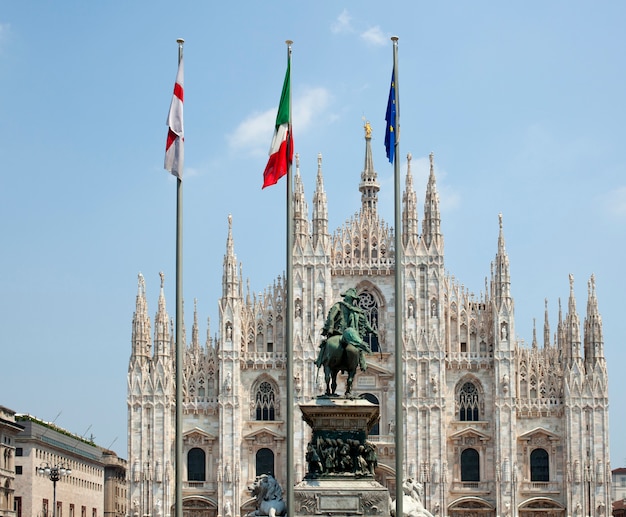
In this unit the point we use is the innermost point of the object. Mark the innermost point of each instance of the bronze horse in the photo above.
(339, 357)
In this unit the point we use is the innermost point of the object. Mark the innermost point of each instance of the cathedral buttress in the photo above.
(505, 391)
(151, 418)
(233, 309)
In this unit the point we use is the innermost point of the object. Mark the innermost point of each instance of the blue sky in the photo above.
(522, 105)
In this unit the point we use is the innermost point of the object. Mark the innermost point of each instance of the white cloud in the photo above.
(342, 23)
(254, 134)
(313, 101)
(4, 32)
(374, 36)
(616, 202)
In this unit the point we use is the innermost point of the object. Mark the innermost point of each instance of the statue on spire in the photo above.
(368, 129)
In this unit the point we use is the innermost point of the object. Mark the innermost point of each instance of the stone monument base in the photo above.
(341, 462)
(341, 496)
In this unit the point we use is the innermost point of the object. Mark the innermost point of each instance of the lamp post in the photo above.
(54, 473)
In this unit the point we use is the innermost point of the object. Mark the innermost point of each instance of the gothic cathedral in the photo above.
(492, 428)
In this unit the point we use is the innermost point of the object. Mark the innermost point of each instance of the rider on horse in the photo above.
(350, 322)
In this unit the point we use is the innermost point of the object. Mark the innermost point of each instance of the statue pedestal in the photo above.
(341, 497)
(341, 462)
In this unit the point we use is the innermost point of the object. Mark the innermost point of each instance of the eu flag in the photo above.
(390, 132)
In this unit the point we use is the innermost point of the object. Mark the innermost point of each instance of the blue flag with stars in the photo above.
(390, 132)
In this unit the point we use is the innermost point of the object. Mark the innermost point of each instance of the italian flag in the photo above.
(281, 150)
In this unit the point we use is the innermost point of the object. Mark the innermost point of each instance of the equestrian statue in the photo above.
(342, 348)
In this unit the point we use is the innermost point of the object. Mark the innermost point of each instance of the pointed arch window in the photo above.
(265, 402)
(469, 402)
(196, 465)
(369, 304)
(539, 465)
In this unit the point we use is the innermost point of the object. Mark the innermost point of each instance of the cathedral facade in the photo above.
(492, 428)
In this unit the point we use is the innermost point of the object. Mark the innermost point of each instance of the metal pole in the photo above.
(54, 497)
(178, 498)
(399, 309)
(290, 313)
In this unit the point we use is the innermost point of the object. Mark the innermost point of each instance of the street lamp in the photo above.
(54, 473)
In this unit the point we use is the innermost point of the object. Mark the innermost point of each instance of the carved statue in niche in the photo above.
(228, 382)
(320, 309)
(434, 384)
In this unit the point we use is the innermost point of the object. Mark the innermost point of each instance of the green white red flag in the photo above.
(174, 147)
(281, 150)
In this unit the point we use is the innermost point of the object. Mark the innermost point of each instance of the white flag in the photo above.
(174, 148)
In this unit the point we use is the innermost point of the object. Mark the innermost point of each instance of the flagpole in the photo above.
(290, 314)
(178, 497)
(399, 293)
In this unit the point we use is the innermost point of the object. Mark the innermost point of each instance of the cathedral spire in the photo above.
(141, 321)
(320, 208)
(207, 343)
(195, 341)
(594, 342)
(230, 280)
(161, 324)
(410, 231)
(572, 326)
(300, 208)
(431, 225)
(546, 326)
(502, 276)
(369, 186)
